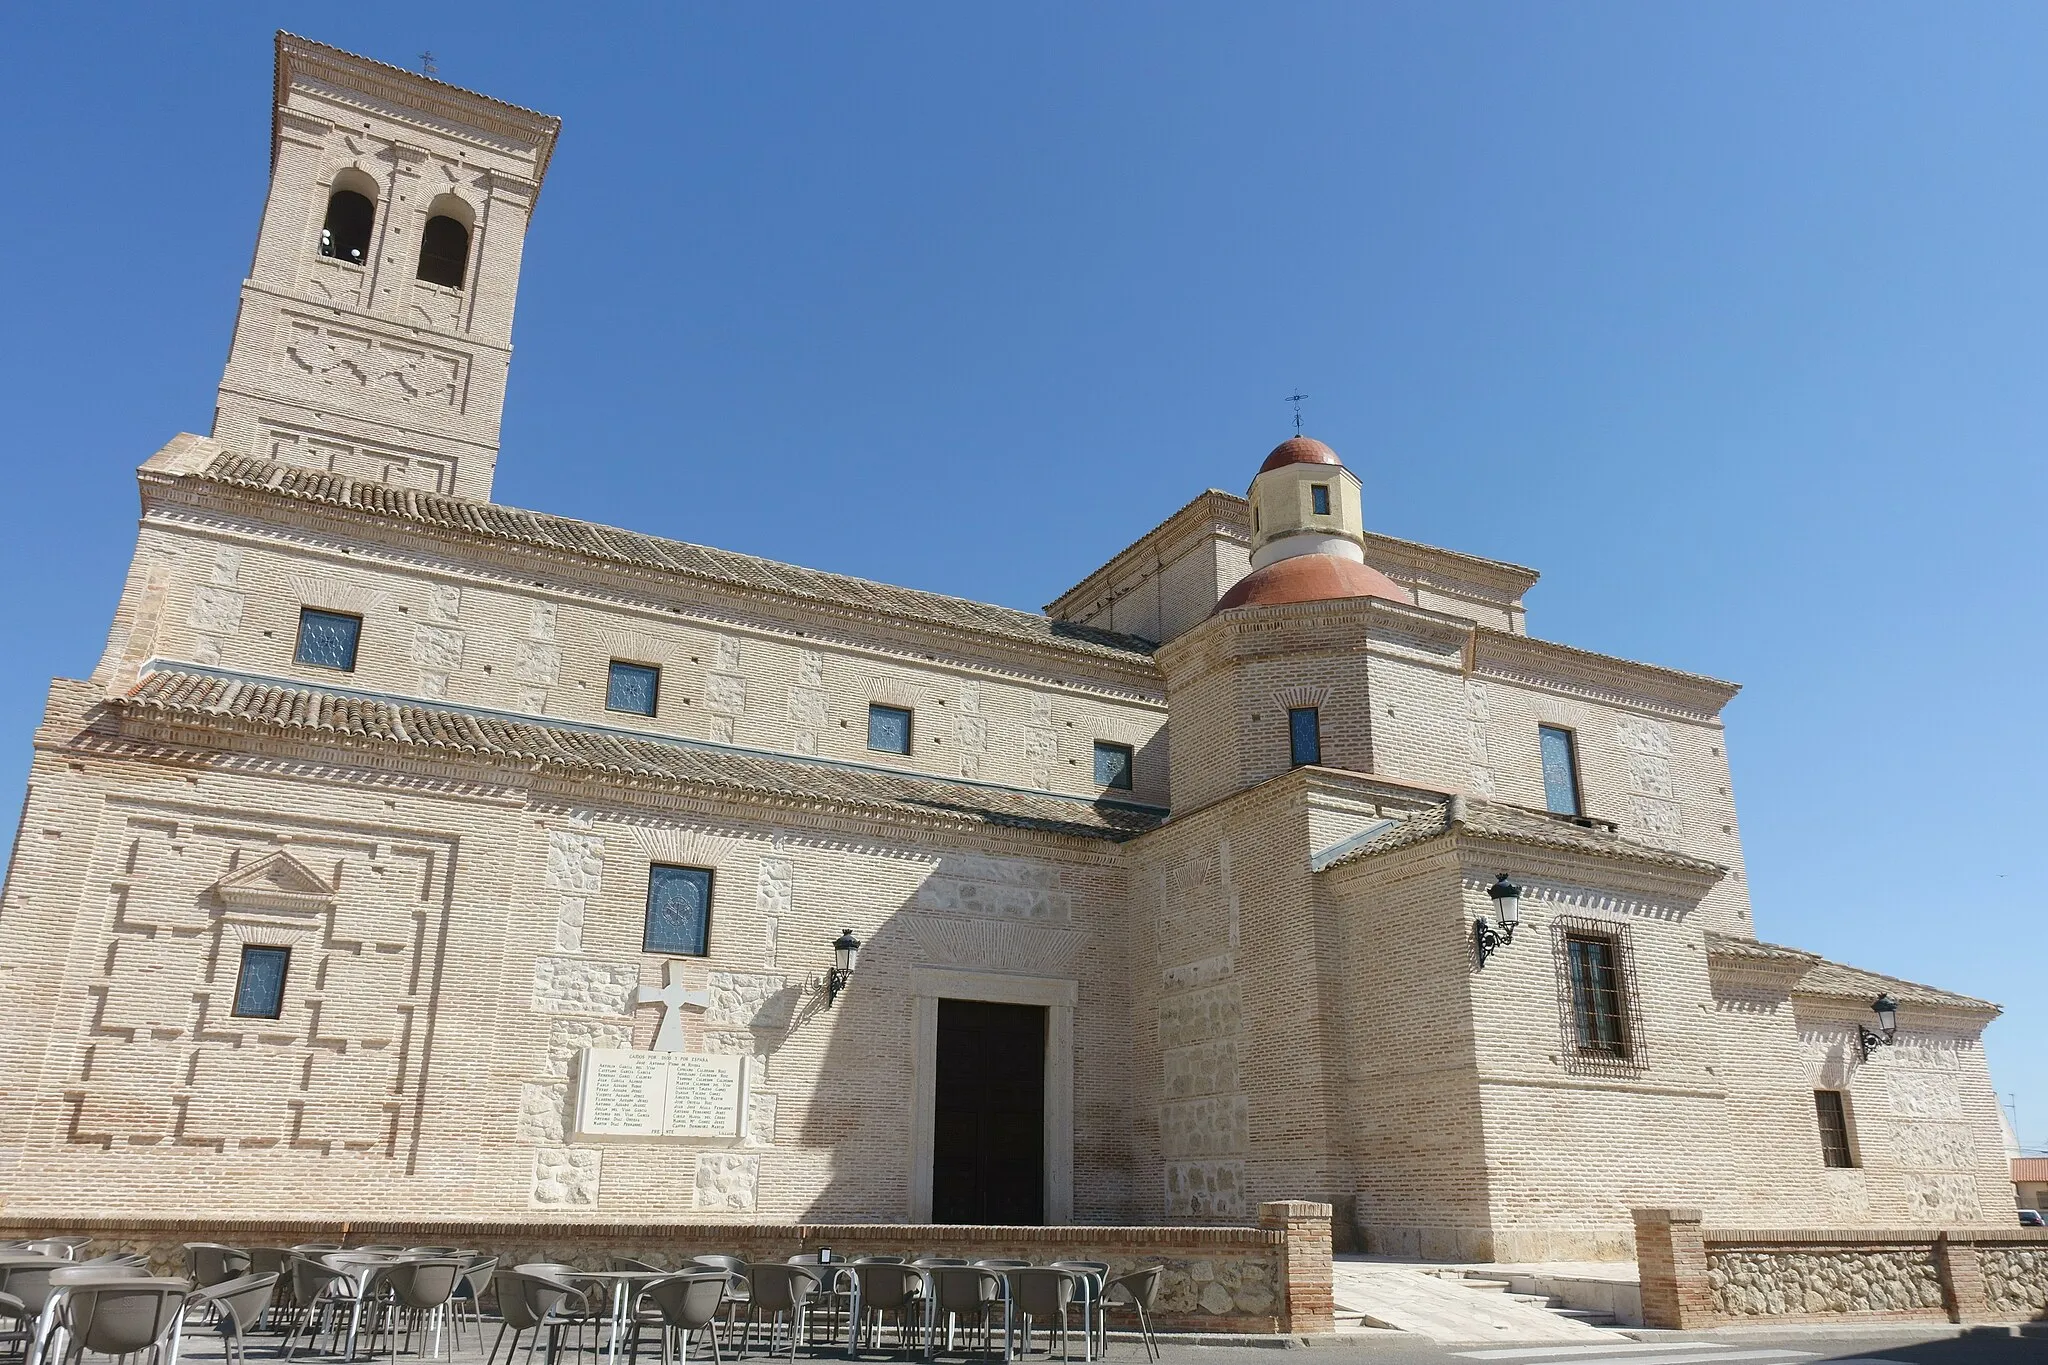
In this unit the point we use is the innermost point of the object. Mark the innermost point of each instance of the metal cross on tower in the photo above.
(427, 67)
(1296, 399)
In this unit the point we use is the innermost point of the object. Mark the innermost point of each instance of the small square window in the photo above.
(1304, 736)
(1319, 498)
(889, 729)
(678, 911)
(1560, 770)
(259, 987)
(1112, 765)
(1834, 1128)
(327, 639)
(633, 688)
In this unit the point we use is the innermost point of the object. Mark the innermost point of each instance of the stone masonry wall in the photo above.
(1693, 1278)
(1270, 1278)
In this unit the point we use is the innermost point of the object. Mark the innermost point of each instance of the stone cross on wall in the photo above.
(674, 998)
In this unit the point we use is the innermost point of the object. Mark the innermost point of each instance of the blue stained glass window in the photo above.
(1560, 770)
(678, 911)
(259, 989)
(1319, 498)
(889, 729)
(1112, 765)
(1304, 735)
(327, 639)
(632, 687)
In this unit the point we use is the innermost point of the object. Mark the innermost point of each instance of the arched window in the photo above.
(345, 235)
(444, 251)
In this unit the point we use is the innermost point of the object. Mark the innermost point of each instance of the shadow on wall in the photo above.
(957, 917)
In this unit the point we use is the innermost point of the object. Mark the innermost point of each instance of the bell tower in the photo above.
(375, 329)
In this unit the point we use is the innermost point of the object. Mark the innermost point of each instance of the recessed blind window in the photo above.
(1319, 498)
(1834, 1128)
(678, 911)
(1560, 770)
(632, 688)
(1304, 736)
(889, 729)
(259, 987)
(1596, 995)
(1112, 765)
(327, 639)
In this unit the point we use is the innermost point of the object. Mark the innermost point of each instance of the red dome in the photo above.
(1311, 578)
(1300, 450)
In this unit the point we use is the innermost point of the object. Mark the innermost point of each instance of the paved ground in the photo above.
(1747, 1346)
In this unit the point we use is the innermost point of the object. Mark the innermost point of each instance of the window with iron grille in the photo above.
(1834, 1128)
(1319, 498)
(1596, 997)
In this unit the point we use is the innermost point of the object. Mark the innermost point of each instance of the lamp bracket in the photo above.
(1872, 1040)
(1487, 940)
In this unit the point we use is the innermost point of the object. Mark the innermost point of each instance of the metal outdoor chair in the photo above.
(239, 1306)
(210, 1263)
(538, 1303)
(966, 1294)
(1094, 1283)
(1140, 1291)
(887, 1287)
(422, 1292)
(1042, 1294)
(114, 1316)
(686, 1305)
(469, 1295)
(737, 1291)
(781, 1291)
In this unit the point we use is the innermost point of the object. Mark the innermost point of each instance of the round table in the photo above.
(622, 1302)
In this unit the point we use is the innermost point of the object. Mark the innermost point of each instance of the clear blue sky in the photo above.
(1728, 318)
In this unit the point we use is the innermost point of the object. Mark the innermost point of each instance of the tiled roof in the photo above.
(2030, 1168)
(1823, 977)
(307, 712)
(494, 521)
(1499, 820)
(1840, 979)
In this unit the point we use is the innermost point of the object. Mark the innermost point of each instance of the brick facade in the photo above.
(1260, 981)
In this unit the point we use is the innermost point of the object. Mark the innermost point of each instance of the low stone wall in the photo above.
(1271, 1278)
(1696, 1277)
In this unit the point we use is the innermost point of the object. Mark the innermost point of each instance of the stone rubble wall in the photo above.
(1768, 1284)
(1693, 1277)
(2016, 1279)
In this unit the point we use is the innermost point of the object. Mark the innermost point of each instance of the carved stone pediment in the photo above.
(276, 881)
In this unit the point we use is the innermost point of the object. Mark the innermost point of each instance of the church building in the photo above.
(406, 853)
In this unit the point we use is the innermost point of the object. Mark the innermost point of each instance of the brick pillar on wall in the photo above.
(1962, 1280)
(1671, 1262)
(1305, 1263)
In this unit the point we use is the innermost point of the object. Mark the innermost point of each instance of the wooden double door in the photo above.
(988, 1137)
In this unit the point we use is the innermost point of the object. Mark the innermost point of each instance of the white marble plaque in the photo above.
(704, 1096)
(625, 1094)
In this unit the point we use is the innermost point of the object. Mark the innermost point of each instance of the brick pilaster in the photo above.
(1671, 1261)
(1962, 1280)
(1305, 1263)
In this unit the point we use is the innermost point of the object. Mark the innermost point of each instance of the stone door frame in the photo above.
(1058, 995)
